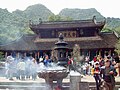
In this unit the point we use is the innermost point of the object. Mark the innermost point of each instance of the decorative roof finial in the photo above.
(61, 37)
(94, 19)
(104, 20)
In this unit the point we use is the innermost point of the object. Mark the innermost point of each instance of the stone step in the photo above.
(28, 87)
(39, 87)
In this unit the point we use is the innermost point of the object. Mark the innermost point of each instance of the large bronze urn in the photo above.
(62, 51)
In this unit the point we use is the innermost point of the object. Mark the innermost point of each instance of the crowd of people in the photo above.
(24, 67)
(88, 66)
(102, 69)
(21, 68)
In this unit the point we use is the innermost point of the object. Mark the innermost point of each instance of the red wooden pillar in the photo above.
(38, 54)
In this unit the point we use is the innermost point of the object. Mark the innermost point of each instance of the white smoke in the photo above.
(51, 67)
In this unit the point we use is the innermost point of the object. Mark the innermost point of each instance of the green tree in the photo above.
(68, 18)
(51, 18)
(117, 29)
(1, 56)
(54, 18)
(117, 47)
(76, 53)
(59, 18)
(107, 29)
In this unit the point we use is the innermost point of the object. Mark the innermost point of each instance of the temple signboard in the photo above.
(68, 34)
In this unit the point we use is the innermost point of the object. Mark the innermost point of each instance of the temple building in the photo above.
(86, 33)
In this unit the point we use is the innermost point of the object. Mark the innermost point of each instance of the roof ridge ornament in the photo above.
(104, 20)
(94, 19)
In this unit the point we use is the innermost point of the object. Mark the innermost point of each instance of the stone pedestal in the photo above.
(75, 79)
(83, 86)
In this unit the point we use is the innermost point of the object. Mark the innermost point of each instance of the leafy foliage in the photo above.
(59, 18)
(37, 11)
(107, 29)
(1, 56)
(54, 18)
(117, 29)
(113, 22)
(14, 25)
(80, 14)
(118, 47)
(76, 53)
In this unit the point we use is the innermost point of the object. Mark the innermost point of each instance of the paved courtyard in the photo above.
(66, 80)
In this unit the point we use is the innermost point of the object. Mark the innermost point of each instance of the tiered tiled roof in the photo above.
(67, 24)
(105, 40)
(26, 42)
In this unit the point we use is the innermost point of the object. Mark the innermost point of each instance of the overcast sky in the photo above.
(108, 8)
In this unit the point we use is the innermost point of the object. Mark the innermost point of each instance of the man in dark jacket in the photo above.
(108, 76)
